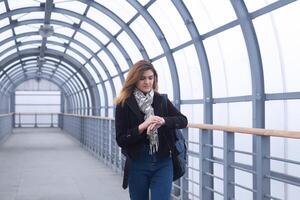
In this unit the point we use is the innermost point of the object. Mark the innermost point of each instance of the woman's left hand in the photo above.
(155, 126)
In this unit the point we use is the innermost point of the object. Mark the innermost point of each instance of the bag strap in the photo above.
(165, 106)
(165, 102)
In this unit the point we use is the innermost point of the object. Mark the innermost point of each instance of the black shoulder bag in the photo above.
(179, 150)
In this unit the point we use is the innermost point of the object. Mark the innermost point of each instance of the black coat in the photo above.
(129, 117)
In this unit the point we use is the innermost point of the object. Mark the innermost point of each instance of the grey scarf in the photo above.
(144, 103)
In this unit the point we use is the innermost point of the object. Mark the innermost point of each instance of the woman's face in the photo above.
(145, 84)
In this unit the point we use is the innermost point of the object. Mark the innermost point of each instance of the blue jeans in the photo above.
(150, 173)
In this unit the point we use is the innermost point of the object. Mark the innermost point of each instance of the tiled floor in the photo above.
(45, 164)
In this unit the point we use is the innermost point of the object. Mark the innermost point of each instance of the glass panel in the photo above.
(82, 80)
(2, 8)
(209, 15)
(93, 73)
(68, 66)
(63, 30)
(189, 73)
(75, 56)
(269, 44)
(130, 47)
(87, 41)
(29, 16)
(232, 115)
(57, 39)
(6, 34)
(96, 32)
(143, 2)
(6, 45)
(253, 5)
(99, 68)
(117, 84)
(144, 32)
(29, 38)
(15, 4)
(276, 118)
(74, 6)
(4, 22)
(102, 99)
(108, 63)
(194, 113)
(29, 46)
(27, 28)
(119, 57)
(288, 40)
(8, 54)
(109, 93)
(230, 74)
(164, 77)
(80, 49)
(104, 20)
(65, 18)
(293, 115)
(55, 47)
(170, 22)
(120, 7)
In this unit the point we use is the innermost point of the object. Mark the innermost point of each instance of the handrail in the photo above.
(233, 129)
(88, 116)
(252, 131)
(5, 115)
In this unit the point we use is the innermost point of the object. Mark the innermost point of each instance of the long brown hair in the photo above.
(134, 75)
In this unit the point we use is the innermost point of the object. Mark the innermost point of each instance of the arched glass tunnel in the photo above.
(224, 62)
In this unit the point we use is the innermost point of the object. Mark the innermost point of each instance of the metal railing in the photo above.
(215, 169)
(6, 121)
(36, 120)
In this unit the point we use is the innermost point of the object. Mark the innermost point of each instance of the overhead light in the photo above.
(46, 30)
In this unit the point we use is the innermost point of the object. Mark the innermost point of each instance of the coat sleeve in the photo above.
(174, 119)
(125, 136)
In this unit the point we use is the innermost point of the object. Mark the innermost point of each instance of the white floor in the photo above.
(45, 164)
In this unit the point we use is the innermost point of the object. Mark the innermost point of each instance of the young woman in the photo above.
(144, 131)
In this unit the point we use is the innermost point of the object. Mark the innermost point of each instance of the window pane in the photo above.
(120, 7)
(81, 49)
(209, 15)
(108, 63)
(164, 77)
(2, 8)
(230, 73)
(28, 16)
(75, 56)
(144, 32)
(130, 47)
(74, 6)
(87, 41)
(63, 17)
(170, 22)
(93, 73)
(99, 68)
(96, 32)
(253, 5)
(15, 4)
(117, 84)
(4, 22)
(119, 57)
(63, 30)
(104, 20)
(189, 73)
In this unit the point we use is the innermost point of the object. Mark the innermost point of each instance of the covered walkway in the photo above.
(46, 164)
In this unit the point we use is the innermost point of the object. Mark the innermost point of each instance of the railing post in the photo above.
(228, 155)
(184, 180)
(19, 120)
(35, 120)
(206, 167)
(262, 167)
(51, 119)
